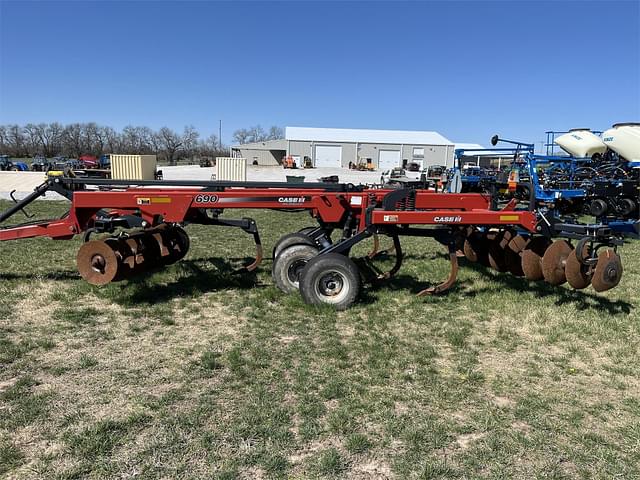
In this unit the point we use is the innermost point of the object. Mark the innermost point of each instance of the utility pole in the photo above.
(220, 134)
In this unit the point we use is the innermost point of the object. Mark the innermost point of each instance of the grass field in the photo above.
(200, 371)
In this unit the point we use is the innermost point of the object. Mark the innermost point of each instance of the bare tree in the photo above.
(242, 136)
(257, 134)
(80, 138)
(190, 140)
(90, 142)
(170, 143)
(4, 139)
(50, 138)
(15, 141)
(72, 139)
(32, 139)
(275, 133)
(113, 140)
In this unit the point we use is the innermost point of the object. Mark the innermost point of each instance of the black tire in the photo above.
(289, 264)
(291, 239)
(330, 279)
(627, 207)
(307, 230)
(598, 207)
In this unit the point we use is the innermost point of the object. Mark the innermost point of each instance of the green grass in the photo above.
(204, 371)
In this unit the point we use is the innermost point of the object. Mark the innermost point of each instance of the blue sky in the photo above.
(464, 69)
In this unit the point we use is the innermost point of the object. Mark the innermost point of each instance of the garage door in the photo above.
(328, 156)
(388, 159)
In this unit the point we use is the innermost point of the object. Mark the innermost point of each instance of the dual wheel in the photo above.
(330, 279)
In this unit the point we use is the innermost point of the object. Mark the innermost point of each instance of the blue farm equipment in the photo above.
(7, 165)
(473, 178)
(605, 165)
(40, 163)
(564, 186)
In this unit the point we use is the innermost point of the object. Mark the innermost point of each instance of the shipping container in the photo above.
(231, 168)
(133, 167)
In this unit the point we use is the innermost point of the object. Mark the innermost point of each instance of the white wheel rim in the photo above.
(332, 286)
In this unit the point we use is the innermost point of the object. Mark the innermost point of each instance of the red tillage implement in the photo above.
(143, 223)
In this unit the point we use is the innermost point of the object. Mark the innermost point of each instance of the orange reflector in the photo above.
(509, 218)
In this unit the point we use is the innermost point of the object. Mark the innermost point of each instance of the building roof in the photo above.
(469, 146)
(280, 144)
(480, 151)
(395, 137)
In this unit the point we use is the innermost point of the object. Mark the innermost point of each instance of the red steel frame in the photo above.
(177, 205)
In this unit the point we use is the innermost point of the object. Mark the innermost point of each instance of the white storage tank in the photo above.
(624, 139)
(581, 143)
(231, 168)
(133, 167)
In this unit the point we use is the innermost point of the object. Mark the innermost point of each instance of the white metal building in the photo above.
(269, 152)
(338, 147)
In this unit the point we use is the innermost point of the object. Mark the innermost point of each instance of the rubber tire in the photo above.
(285, 260)
(291, 239)
(598, 207)
(627, 207)
(307, 230)
(321, 265)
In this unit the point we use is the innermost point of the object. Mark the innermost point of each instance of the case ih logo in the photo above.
(455, 219)
(295, 200)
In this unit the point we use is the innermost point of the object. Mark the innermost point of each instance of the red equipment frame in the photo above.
(157, 208)
(178, 205)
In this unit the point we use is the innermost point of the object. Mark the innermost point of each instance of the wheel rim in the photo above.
(294, 270)
(332, 286)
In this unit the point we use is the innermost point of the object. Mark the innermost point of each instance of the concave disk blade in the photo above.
(475, 248)
(553, 262)
(517, 243)
(497, 259)
(578, 275)
(532, 258)
(608, 271)
(513, 262)
(97, 262)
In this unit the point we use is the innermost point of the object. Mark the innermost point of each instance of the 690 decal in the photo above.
(203, 198)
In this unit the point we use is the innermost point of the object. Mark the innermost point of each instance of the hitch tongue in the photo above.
(15, 200)
(20, 204)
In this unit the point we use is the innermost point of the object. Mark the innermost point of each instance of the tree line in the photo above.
(76, 139)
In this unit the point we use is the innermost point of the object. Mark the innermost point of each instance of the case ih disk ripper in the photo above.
(141, 222)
